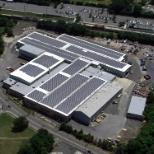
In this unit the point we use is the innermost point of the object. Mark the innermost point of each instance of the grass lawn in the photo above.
(106, 2)
(33, 15)
(9, 141)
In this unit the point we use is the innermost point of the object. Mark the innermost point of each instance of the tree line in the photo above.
(81, 30)
(6, 26)
(130, 8)
(104, 144)
(141, 38)
(73, 29)
(37, 2)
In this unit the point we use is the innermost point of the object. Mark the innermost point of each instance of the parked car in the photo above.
(22, 63)
(10, 69)
(147, 77)
(144, 68)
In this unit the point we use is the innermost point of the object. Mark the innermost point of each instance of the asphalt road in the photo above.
(84, 12)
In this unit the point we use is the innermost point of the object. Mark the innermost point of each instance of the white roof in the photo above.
(9, 81)
(101, 97)
(26, 89)
(22, 76)
(91, 71)
(137, 105)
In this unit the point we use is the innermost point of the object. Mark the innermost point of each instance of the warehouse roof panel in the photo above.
(46, 39)
(31, 49)
(100, 58)
(49, 48)
(91, 46)
(101, 97)
(76, 66)
(79, 96)
(54, 98)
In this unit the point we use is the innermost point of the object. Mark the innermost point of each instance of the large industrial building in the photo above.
(71, 48)
(66, 77)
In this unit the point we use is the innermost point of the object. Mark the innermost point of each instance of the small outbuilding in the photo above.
(136, 108)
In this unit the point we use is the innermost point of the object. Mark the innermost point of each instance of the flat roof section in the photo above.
(96, 72)
(91, 46)
(9, 81)
(31, 70)
(31, 49)
(75, 67)
(54, 82)
(100, 99)
(79, 96)
(46, 61)
(137, 105)
(36, 95)
(28, 73)
(46, 39)
(58, 95)
(51, 49)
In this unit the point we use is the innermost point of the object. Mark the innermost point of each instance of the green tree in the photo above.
(62, 126)
(60, 26)
(137, 10)
(74, 132)
(99, 142)
(150, 99)
(41, 143)
(56, 3)
(90, 15)
(80, 134)
(143, 2)
(1, 46)
(106, 145)
(9, 32)
(152, 2)
(25, 148)
(20, 124)
(61, 5)
(120, 148)
(93, 18)
(78, 18)
(119, 6)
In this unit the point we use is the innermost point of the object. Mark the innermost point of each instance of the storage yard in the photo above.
(67, 76)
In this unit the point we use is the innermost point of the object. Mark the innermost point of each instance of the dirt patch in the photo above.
(125, 83)
(132, 130)
(18, 29)
(7, 39)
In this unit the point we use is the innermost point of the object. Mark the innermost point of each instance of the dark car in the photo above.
(147, 77)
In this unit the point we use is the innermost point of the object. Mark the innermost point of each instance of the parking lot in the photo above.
(69, 10)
